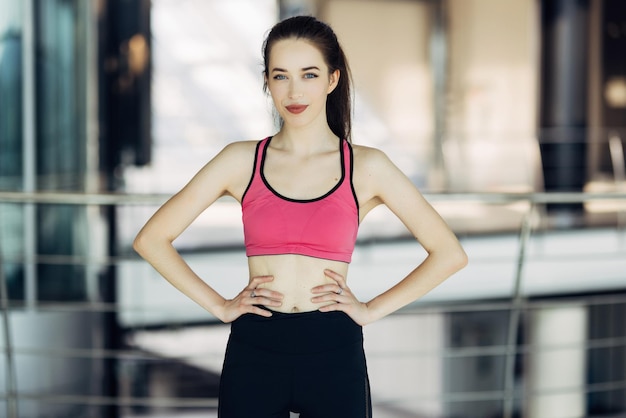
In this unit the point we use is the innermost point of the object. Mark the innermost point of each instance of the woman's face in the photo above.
(299, 82)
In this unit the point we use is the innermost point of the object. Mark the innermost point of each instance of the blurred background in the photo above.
(509, 115)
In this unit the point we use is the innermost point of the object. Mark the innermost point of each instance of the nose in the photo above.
(294, 91)
(294, 95)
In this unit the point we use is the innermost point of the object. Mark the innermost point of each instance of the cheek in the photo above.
(317, 90)
(273, 89)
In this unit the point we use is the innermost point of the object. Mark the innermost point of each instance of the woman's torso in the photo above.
(330, 177)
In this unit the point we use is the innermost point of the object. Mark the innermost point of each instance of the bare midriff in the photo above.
(294, 276)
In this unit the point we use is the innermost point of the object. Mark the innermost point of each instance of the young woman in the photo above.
(296, 339)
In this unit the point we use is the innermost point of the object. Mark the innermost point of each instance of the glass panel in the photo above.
(11, 249)
(11, 219)
(10, 95)
(60, 73)
(60, 101)
(60, 276)
(607, 358)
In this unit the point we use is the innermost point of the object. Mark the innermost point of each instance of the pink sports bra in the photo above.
(323, 227)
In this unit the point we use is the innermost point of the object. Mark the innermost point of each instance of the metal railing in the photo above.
(517, 305)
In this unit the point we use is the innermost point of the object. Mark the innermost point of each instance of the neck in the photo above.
(306, 140)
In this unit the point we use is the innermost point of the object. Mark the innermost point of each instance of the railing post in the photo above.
(616, 150)
(29, 150)
(514, 316)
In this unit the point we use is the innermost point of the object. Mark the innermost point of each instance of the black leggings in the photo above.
(311, 363)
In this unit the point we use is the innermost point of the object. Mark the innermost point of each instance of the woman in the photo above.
(296, 335)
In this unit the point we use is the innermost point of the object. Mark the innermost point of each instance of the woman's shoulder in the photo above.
(238, 152)
(233, 158)
(240, 147)
(370, 157)
(229, 169)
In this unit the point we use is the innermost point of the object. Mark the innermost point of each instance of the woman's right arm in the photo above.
(227, 173)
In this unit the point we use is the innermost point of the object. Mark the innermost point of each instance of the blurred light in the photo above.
(615, 92)
(605, 205)
(138, 53)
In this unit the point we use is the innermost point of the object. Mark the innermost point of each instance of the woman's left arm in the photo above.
(378, 181)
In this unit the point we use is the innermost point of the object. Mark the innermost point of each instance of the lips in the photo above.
(295, 109)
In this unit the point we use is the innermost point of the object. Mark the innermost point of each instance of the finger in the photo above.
(330, 288)
(261, 296)
(333, 307)
(324, 288)
(264, 301)
(338, 278)
(331, 297)
(266, 293)
(257, 280)
(259, 311)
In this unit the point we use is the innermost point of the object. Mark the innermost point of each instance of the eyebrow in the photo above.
(282, 70)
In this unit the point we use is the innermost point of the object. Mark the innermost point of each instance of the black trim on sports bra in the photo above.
(356, 200)
(271, 189)
(256, 154)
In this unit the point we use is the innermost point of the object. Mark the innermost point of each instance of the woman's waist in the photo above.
(297, 293)
(294, 276)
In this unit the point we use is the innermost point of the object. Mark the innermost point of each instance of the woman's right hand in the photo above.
(248, 299)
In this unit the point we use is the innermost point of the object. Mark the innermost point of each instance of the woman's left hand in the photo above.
(343, 298)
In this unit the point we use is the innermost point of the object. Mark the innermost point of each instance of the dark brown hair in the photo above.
(319, 34)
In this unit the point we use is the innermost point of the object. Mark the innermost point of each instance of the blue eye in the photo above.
(310, 75)
(279, 77)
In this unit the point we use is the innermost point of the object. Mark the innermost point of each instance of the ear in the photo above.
(266, 87)
(333, 81)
